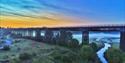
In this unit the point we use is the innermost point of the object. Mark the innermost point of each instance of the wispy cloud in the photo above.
(82, 11)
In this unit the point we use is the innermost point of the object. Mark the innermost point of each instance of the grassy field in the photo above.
(39, 52)
(28, 51)
(24, 46)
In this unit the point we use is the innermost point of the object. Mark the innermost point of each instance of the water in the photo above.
(78, 37)
(100, 36)
(101, 52)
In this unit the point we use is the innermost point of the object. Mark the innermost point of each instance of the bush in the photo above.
(124, 57)
(6, 48)
(85, 43)
(25, 56)
(42, 59)
(74, 43)
(94, 46)
(16, 41)
(87, 52)
(15, 60)
(64, 56)
(114, 56)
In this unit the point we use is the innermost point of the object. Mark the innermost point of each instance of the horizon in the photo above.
(106, 25)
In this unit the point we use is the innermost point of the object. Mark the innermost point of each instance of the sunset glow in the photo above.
(60, 13)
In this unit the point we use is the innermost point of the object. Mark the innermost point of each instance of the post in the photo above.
(85, 37)
(122, 40)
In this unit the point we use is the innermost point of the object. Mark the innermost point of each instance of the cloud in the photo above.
(19, 7)
(61, 11)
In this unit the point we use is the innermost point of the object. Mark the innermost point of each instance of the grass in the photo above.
(40, 52)
(22, 46)
(36, 52)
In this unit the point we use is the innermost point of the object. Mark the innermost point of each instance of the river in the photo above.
(101, 52)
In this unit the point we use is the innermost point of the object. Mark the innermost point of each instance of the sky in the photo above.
(61, 13)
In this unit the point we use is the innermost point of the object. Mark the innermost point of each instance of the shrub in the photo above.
(48, 38)
(74, 43)
(64, 37)
(114, 56)
(6, 48)
(15, 60)
(124, 57)
(25, 56)
(94, 46)
(85, 43)
(42, 59)
(64, 56)
(87, 53)
(16, 41)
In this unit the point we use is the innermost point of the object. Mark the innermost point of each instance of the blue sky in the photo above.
(108, 10)
(72, 11)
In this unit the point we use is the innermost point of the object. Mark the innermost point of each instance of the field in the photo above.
(29, 51)
(25, 46)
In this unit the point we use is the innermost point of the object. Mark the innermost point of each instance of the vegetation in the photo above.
(64, 38)
(94, 46)
(74, 43)
(15, 60)
(123, 57)
(88, 53)
(114, 56)
(48, 38)
(62, 48)
(64, 56)
(6, 48)
(25, 56)
(42, 59)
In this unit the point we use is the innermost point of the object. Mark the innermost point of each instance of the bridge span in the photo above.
(29, 32)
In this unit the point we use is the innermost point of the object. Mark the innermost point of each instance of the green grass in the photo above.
(22, 46)
(40, 52)
(37, 52)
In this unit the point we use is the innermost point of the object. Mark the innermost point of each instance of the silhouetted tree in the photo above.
(74, 43)
(65, 38)
(48, 36)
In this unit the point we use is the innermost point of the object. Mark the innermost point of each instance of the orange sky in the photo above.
(16, 22)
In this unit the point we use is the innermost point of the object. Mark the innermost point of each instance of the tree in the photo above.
(48, 36)
(74, 43)
(64, 37)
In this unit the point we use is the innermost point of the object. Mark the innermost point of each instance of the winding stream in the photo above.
(101, 52)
